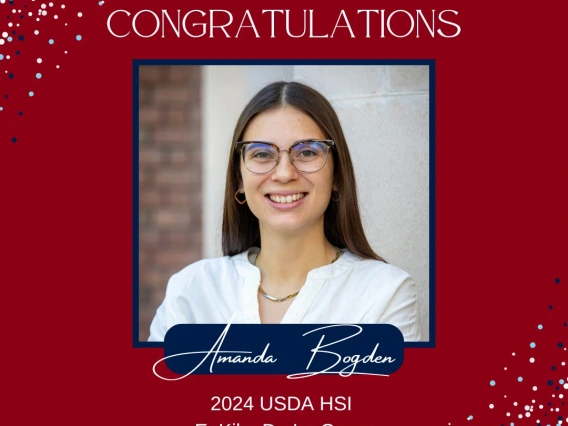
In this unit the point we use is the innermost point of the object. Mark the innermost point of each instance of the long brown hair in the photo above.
(342, 221)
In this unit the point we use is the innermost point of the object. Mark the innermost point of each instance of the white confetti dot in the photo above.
(66, 52)
(527, 408)
(10, 24)
(37, 19)
(4, 34)
(79, 14)
(50, 4)
(1, 41)
(534, 388)
(44, 13)
(515, 403)
(62, 6)
(7, 56)
(565, 385)
(563, 363)
(491, 406)
(505, 368)
(508, 414)
(36, 32)
(17, 25)
(39, 60)
(57, 66)
(513, 353)
(560, 396)
(2, 1)
(527, 414)
(520, 416)
(29, 13)
(54, 16)
(531, 360)
(43, 6)
(13, 10)
(540, 406)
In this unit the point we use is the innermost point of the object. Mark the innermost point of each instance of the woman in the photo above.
(295, 250)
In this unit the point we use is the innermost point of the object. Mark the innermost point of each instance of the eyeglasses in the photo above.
(307, 156)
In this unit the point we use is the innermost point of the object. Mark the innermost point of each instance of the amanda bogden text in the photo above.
(284, 23)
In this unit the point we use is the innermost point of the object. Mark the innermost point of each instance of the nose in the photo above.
(284, 170)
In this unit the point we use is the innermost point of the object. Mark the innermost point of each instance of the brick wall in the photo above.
(170, 191)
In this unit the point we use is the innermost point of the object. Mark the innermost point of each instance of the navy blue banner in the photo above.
(296, 350)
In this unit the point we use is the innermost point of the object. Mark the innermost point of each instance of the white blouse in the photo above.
(351, 290)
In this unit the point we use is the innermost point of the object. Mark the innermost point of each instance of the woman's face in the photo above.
(266, 193)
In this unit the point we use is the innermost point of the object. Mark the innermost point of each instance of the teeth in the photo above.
(285, 199)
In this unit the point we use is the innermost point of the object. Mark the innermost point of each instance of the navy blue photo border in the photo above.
(431, 63)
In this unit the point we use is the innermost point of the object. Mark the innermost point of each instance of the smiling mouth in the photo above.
(285, 199)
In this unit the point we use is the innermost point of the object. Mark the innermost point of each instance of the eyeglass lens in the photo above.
(306, 157)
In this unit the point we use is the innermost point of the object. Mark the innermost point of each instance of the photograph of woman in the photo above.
(294, 247)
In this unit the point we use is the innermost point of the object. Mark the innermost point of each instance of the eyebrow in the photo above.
(239, 143)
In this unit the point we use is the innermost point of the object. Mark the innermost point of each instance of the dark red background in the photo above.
(501, 228)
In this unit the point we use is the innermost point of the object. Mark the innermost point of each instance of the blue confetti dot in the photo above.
(533, 344)
(51, 41)
(540, 326)
(21, 16)
(17, 52)
(6, 96)
(565, 324)
(470, 418)
(78, 38)
(492, 382)
(9, 39)
(1, 56)
(21, 113)
(101, 3)
(549, 383)
(31, 93)
(1, 109)
(550, 307)
(561, 381)
(520, 379)
(557, 280)
(38, 75)
(560, 344)
(11, 75)
(553, 368)
(14, 140)
(21, 38)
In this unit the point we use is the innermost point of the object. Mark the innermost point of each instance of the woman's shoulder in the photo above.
(379, 268)
(209, 270)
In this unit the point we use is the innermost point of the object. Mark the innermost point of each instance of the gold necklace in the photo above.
(275, 299)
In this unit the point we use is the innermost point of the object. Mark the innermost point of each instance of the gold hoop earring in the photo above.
(239, 201)
(336, 197)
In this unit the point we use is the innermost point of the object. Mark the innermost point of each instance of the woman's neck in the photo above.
(286, 259)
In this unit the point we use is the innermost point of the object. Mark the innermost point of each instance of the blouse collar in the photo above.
(251, 272)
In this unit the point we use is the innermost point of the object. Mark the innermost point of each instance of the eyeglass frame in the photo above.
(328, 142)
